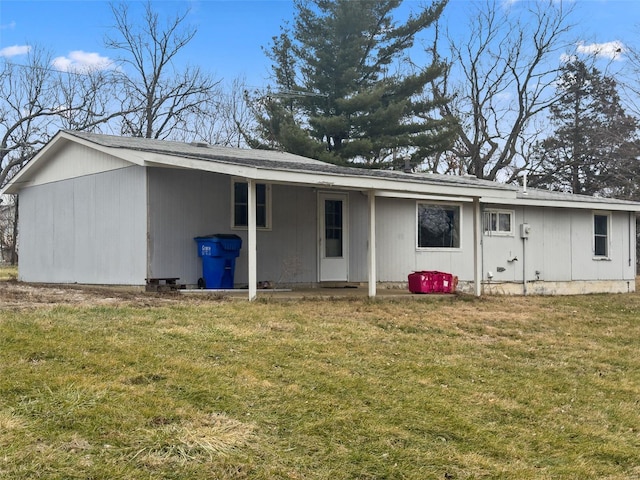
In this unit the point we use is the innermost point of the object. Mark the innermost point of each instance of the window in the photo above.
(438, 226)
(240, 192)
(333, 228)
(498, 222)
(601, 235)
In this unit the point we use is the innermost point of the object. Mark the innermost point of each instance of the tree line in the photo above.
(353, 84)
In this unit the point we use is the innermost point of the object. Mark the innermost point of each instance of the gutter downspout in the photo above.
(524, 265)
(630, 243)
(524, 234)
(148, 238)
(524, 238)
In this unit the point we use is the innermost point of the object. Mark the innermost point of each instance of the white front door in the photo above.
(334, 237)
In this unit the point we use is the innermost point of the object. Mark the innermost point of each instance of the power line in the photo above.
(55, 70)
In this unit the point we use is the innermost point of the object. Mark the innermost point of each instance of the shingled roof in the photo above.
(272, 159)
(276, 166)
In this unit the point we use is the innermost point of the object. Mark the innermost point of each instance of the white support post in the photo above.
(252, 252)
(372, 244)
(477, 248)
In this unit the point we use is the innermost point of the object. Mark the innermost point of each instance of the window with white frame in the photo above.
(601, 228)
(240, 203)
(498, 222)
(438, 226)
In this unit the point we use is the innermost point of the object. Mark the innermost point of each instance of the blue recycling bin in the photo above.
(218, 253)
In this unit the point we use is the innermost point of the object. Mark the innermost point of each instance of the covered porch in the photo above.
(306, 194)
(371, 242)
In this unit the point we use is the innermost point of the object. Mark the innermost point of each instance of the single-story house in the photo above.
(101, 209)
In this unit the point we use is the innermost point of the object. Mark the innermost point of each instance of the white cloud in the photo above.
(8, 26)
(79, 61)
(610, 50)
(15, 50)
(566, 58)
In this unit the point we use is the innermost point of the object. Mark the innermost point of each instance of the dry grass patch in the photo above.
(442, 387)
(198, 439)
(8, 273)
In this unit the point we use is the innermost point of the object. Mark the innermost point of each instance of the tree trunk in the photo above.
(14, 245)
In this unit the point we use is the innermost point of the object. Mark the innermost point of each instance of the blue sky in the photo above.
(231, 34)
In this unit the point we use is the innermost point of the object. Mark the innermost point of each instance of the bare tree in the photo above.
(7, 237)
(161, 99)
(627, 74)
(86, 99)
(227, 120)
(499, 81)
(35, 102)
(29, 107)
(237, 118)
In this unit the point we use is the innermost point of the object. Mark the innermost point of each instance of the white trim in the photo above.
(478, 254)
(55, 144)
(297, 175)
(373, 277)
(460, 227)
(434, 198)
(252, 251)
(607, 214)
(611, 204)
(268, 206)
(321, 197)
(498, 233)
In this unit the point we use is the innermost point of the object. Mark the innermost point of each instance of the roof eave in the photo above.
(609, 204)
(299, 176)
(17, 182)
(21, 179)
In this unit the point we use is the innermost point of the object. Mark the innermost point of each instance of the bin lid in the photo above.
(221, 236)
(226, 241)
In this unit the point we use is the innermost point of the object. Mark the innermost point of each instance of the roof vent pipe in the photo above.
(524, 182)
(407, 165)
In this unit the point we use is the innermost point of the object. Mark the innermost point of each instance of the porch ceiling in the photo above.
(387, 183)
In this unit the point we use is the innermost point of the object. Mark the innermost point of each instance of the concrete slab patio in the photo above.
(314, 293)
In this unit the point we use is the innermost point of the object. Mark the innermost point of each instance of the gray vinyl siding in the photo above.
(559, 247)
(183, 204)
(546, 254)
(287, 253)
(395, 238)
(396, 243)
(553, 257)
(497, 250)
(73, 161)
(621, 261)
(358, 237)
(89, 229)
(186, 204)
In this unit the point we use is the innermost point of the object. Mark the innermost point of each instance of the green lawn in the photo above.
(453, 387)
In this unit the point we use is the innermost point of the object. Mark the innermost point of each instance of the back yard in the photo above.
(101, 384)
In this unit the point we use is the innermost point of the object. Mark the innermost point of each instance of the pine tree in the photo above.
(344, 92)
(593, 149)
